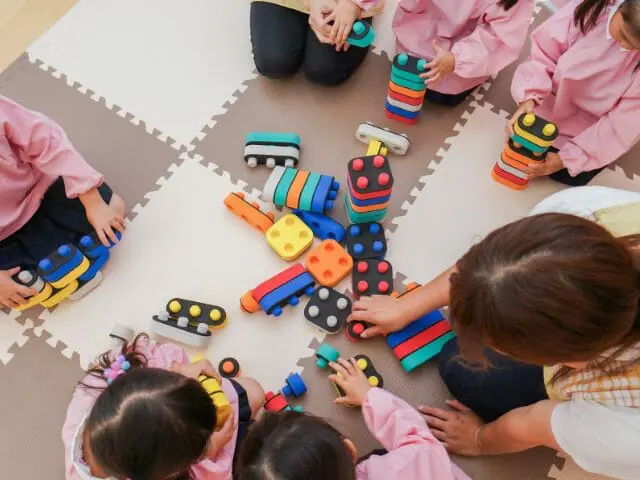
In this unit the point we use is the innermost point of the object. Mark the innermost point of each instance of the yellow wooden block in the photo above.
(60, 295)
(376, 147)
(218, 397)
(37, 298)
(73, 274)
(289, 237)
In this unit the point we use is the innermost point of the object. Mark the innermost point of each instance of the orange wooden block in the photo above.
(249, 211)
(406, 91)
(329, 263)
(295, 190)
(512, 161)
(506, 182)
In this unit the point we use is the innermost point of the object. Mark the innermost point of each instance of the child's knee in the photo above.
(255, 393)
(117, 203)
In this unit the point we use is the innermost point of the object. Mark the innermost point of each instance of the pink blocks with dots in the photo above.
(372, 277)
(370, 182)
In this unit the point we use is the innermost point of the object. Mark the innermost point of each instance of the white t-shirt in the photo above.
(601, 439)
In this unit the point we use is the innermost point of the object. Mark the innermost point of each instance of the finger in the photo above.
(343, 33)
(25, 291)
(435, 412)
(346, 46)
(18, 299)
(433, 63)
(431, 73)
(354, 367)
(372, 332)
(339, 380)
(361, 304)
(339, 368)
(334, 32)
(13, 271)
(111, 235)
(346, 364)
(102, 237)
(10, 303)
(118, 224)
(342, 401)
(208, 370)
(434, 79)
(440, 435)
(435, 422)
(459, 406)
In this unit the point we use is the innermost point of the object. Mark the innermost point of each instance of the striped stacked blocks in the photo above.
(271, 149)
(530, 142)
(308, 191)
(369, 186)
(422, 339)
(406, 89)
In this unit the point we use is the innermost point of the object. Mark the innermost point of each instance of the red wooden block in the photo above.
(277, 280)
(422, 339)
(405, 98)
(406, 121)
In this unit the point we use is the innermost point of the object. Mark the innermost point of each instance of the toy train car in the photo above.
(272, 149)
(188, 321)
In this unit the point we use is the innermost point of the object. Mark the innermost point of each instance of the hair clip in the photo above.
(118, 367)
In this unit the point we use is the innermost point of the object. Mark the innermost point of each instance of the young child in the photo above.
(296, 446)
(466, 41)
(583, 75)
(49, 196)
(142, 414)
(312, 34)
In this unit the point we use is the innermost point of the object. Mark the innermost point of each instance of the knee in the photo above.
(324, 73)
(117, 203)
(255, 393)
(276, 64)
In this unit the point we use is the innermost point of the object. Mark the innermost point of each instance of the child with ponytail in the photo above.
(141, 414)
(583, 75)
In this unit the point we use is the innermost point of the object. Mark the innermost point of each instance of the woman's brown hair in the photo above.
(546, 290)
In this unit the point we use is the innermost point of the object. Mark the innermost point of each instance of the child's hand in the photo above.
(552, 164)
(343, 17)
(102, 217)
(195, 369)
(319, 10)
(442, 65)
(383, 312)
(352, 380)
(219, 439)
(525, 107)
(12, 294)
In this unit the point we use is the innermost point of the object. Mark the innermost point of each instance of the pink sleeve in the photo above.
(414, 453)
(495, 43)
(532, 80)
(46, 146)
(608, 139)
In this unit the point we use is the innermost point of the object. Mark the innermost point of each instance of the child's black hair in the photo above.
(149, 423)
(586, 14)
(295, 446)
(507, 4)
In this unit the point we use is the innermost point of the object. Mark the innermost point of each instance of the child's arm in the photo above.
(608, 139)
(46, 147)
(532, 80)
(495, 43)
(414, 453)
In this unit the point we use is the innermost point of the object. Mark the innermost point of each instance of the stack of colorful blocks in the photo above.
(369, 182)
(308, 191)
(271, 149)
(406, 89)
(532, 138)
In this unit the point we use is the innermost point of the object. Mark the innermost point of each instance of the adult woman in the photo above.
(549, 290)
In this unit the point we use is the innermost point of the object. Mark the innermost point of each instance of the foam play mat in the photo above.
(159, 96)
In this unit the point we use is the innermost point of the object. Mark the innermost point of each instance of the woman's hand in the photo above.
(551, 164)
(459, 429)
(352, 380)
(319, 11)
(525, 107)
(442, 65)
(104, 219)
(343, 17)
(219, 439)
(384, 313)
(12, 294)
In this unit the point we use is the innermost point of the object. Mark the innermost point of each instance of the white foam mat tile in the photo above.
(460, 202)
(185, 243)
(170, 64)
(385, 41)
(12, 333)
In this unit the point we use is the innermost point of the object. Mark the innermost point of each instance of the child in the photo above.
(467, 41)
(154, 420)
(288, 34)
(49, 196)
(583, 75)
(296, 446)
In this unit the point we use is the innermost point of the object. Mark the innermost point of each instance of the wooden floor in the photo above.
(22, 21)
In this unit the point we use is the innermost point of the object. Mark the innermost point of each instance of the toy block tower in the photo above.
(530, 142)
(369, 182)
(307, 191)
(406, 89)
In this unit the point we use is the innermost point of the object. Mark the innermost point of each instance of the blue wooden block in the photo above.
(287, 294)
(65, 259)
(322, 226)
(401, 112)
(396, 338)
(96, 265)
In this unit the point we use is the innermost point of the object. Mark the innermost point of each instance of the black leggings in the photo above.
(563, 177)
(491, 393)
(283, 42)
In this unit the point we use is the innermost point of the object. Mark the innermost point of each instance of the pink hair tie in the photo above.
(118, 367)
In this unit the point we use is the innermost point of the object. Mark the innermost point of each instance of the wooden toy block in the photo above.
(410, 65)
(366, 365)
(380, 201)
(355, 330)
(298, 189)
(325, 194)
(328, 309)
(417, 86)
(362, 34)
(370, 177)
(374, 208)
(91, 246)
(498, 178)
(329, 263)
(326, 354)
(180, 329)
(512, 170)
(30, 278)
(511, 161)
(229, 367)
(401, 111)
(197, 312)
(289, 237)
(58, 295)
(376, 147)
(250, 212)
(322, 226)
(366, 240)
(356, 217)
(288, 294)
(536, 130)
(96, 264)
(406, 91)
(269, 190)
(87, 286)
(372, 277)
(295, 191)
(271, 149)
(63, 266)
(276, 402)
(282, 190)
(509, 176)
(306, 196)
(249, 304)
(294, 386)
(405, 99)
(519, 141)
(368, 132)
(278, 280)
(405, 107)
(400, 118)
(517, 152)
(218, 397)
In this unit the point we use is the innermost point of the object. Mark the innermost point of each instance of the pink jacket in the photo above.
(586, 85)
(34, 151)
(483, 37)
(414, 453)
(162, 356)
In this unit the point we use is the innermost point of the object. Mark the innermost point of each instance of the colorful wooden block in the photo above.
(366, 241)
(536, 130)
(328, 309)
(329, 263)
(366, 365)
(271, 149)
(294, 386)
(322, 226)
(197, 312)
(326, 354)
(362, 34)
(250, 212)
(229, 367)
(372, 277)
(289, 237)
